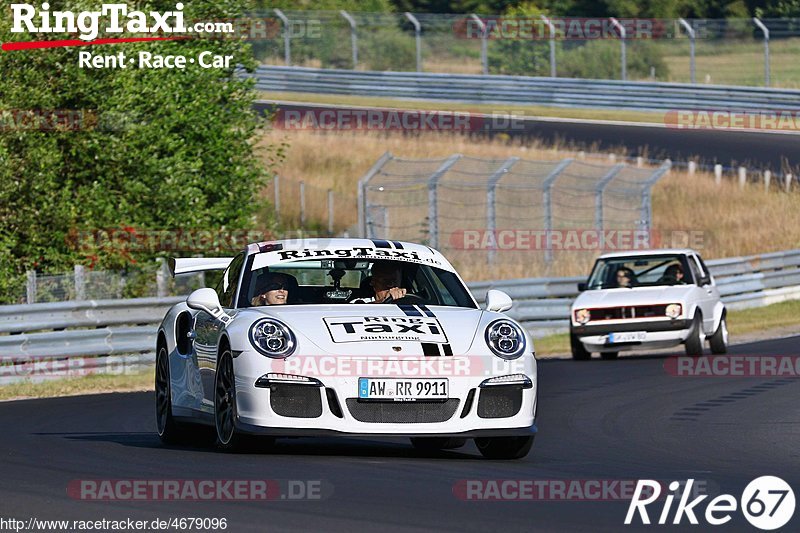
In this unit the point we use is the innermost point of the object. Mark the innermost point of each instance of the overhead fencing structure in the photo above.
(523, 90)
(528, 209)
(67, 339)
(676, 50)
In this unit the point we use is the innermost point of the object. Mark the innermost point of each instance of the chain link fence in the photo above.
(516, 217)
(715, 51)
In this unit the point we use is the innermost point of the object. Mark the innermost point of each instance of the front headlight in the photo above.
(272, 338)
(505, 339)
(674, 310)
(582, 316)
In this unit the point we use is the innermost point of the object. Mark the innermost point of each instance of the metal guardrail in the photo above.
(97, 336)
(521, 90)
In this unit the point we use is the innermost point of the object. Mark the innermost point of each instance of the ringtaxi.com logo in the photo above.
(768, 503)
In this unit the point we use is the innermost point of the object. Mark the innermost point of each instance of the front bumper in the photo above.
(658, 334)
(331, 406)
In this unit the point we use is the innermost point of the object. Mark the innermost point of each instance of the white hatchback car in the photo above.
(647, 299)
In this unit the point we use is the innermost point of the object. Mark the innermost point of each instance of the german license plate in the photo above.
(402, 389)
(627, 336)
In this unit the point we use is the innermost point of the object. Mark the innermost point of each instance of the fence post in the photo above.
(353, 36)
(718, 174)
(433, 206)
(622, 37)
(691, 34)
(598, 195)
(30, 287)
(639, 162)
(552, 45)
(287, 46)
(330, 211)
(788, 179)
(417, 38)
(277, 182)
(80, 287)
(302, 205)
(547, 186)
(647, 204)
(692, 167)
(363, 223)
(491, 189)
(767, 179)
(742, 177)
(484, 43)
(766, 49)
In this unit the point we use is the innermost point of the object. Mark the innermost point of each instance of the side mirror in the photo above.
(498, 301)
(582, 286)
(705, 281)
(207, 300)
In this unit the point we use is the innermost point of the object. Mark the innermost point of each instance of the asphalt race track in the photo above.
(606, 420)
(728, 148)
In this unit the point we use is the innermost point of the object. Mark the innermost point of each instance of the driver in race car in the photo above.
(386, 280)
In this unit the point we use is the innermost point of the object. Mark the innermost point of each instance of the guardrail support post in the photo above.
(552, 45)
(598, 195)
(767, 179)
(30, 287)
(491, 215)
(691, 167)
(718, 174)
(484, 43)
(80, 287)
(364, 225)
(742, 177)
(766, 49)
(622, 37)
(691, 34)
(353, 36)
(417, 38)
(788, 179)
(433, 206)
(547, 187)
(287, 46)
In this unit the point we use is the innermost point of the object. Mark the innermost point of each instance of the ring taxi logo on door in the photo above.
(768, 503)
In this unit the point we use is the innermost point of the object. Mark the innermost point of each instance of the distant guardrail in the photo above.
(522, 90)
(98, 336)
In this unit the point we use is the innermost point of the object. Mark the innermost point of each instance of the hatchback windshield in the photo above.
(640, 271)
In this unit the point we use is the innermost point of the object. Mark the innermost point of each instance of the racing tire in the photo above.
(166, 426)
(719, 340)
(504, 448)
(437, 443)
(225, 404)
(609, 356)
(579, 351)
(694, 342)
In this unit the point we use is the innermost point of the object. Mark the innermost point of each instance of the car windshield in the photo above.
(342, 281)
(640, 271)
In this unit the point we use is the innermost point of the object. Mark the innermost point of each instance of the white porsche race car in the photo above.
(304, 338)
(648, 299)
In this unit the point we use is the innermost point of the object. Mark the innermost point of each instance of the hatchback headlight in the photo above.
(582, 316)
(506, 339)
(272, 338)
(674, 310)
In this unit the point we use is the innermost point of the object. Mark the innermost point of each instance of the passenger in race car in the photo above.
(274, 290)
(386, 280)
(673, 275)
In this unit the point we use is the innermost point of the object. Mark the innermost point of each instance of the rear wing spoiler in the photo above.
(197, 264)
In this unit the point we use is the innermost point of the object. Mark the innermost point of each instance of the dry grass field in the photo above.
(728, 221)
